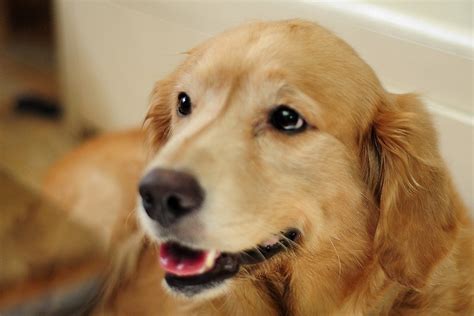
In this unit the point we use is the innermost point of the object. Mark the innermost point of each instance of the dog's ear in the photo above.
(157, 122)
(402, 167)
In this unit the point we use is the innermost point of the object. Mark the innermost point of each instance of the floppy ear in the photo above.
(158, 119)
(402, 167)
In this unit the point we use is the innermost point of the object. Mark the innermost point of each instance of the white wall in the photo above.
(110, 56)
(112, 51)
(452, 15)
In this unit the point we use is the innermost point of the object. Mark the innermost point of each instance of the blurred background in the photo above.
(72, 69)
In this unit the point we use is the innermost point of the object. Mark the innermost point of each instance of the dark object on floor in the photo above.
(37, 105)
(87, 132)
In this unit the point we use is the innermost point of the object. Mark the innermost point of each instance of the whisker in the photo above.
(129, 215)
(260, 253)
(338, 258)
(283, 245)
(292, 243)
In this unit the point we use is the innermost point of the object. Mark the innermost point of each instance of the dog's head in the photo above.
(275, 143)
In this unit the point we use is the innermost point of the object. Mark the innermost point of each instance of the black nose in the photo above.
(168, 195)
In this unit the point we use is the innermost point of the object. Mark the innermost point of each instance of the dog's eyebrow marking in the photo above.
(202, 123)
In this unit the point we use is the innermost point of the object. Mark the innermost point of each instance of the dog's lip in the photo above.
(269, 248)
(225, 264)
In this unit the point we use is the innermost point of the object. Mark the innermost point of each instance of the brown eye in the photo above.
(184, 104)
(285, 119)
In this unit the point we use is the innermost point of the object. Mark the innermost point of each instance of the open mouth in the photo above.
(190, 271)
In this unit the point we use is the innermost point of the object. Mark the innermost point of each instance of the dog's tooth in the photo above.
(210, 259)
(272, 241)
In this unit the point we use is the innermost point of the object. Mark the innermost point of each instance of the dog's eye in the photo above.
(286, 119)
(184, 104)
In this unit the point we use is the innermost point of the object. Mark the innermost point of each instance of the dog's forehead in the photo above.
(289, 51)
(238, 54)
(220, 69)
(219, 78)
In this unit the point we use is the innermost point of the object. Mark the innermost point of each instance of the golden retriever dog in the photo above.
(275, 176)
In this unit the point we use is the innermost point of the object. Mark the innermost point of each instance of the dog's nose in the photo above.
(168, 195)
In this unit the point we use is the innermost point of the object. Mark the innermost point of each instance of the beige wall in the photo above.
(110, 56)
(453, 15)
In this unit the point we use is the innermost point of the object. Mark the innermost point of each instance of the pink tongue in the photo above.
(178, 260)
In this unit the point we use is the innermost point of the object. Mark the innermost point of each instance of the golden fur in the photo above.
(383, 229)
